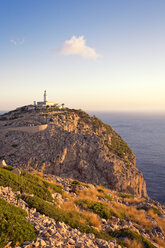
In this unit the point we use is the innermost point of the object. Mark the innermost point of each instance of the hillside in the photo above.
(69, 143)
(51, 211)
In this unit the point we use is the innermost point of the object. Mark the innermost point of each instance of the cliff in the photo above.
(69, 143)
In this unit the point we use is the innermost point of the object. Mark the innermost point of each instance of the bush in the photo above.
(127, 233)
(100, 190)
(154, 209)
(118, 146)
(75, 182)
(71, 218)
(13, 226)
(97, 207)
(14, 145)
(56, 188)
(108, 197)
(123, 195)
(27, 183)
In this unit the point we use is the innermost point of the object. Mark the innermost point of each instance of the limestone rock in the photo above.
(74, 145)
(2, 163)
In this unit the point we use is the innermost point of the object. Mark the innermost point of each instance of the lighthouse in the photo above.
(45, 97)
(45, 103)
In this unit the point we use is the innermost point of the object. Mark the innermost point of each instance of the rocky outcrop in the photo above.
(73, 145)
(51, 233)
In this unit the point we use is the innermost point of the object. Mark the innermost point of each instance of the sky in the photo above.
(105, 55)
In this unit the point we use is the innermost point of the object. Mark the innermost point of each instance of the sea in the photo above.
(145, 134)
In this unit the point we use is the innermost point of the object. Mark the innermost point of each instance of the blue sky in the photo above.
(94, 55)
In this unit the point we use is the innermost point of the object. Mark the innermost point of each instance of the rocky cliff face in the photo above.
(72, 145)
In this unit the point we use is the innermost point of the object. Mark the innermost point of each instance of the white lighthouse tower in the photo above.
(45, 103)
(45, 95)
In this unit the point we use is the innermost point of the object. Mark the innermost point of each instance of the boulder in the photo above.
(2, 163)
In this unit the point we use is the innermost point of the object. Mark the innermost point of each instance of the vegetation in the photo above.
(117, 146)
(123, 195)
(27, 183)
(129, 234)
(97, 207)
(87, 217)
(108, 197)
(154, 209)
(71, 218)
(14, 145)
(75, 185)
(13, 226)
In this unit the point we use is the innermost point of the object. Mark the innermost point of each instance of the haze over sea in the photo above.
(145, 134)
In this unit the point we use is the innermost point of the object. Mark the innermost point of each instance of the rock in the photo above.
(2, 163)
(80, 149)
(36, 214)
(52, 234)
(26, 243)
(42, 243)
(158, 232)
(71, 241)
(16, 171)
(104, 221)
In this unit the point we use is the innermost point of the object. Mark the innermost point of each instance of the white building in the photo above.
(45, 103)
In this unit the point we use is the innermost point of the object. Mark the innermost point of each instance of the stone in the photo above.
(26, 243)
(2, 163)
(17, 172)
(80, 149)
(42, 242)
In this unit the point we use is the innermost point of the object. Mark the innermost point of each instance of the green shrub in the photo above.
(13, 226)
(127, 233)
(56, 188)
(120, 147)
(14, 145)
(108, 197)
(27, 183)
(10, 168)
(51, 210)
(75, 182)
(100, 190)
(70, 218)
(117, 146)
(147, 208)
(123, 195)
(97, 207)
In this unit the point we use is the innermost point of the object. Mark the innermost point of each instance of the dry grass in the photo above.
(138, 216)
(160, 242)
(94, 219)
(131, 212)
(88, 194)
(69, 205)
(159, 220)
(134, 200)
(134, 244)
(161, 223)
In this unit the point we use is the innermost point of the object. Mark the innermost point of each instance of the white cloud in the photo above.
(13, 42)
(77, 46)
(17, 42)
